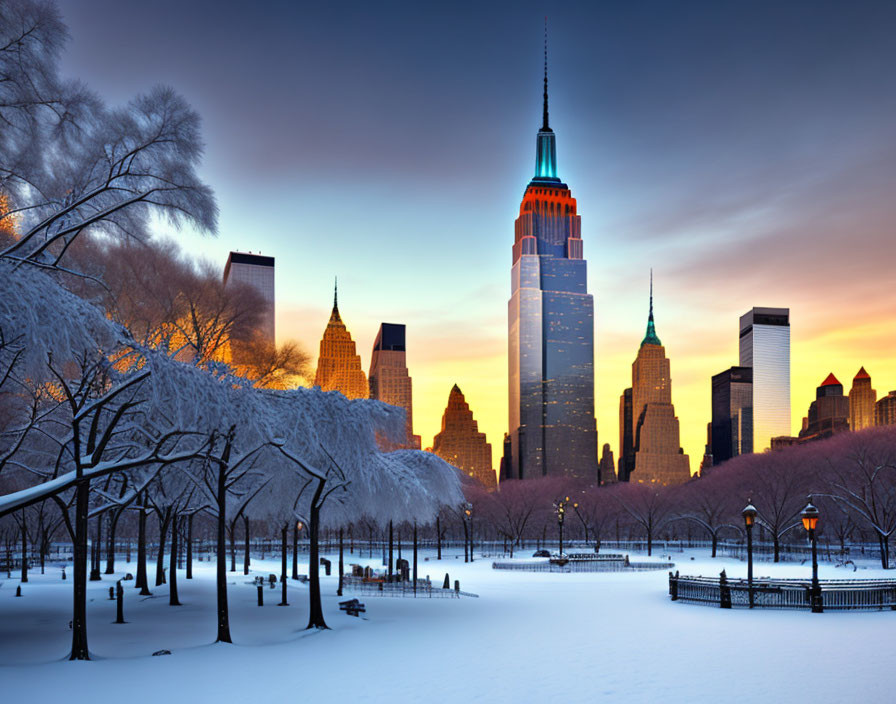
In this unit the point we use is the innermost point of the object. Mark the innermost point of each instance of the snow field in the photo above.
(529, 637)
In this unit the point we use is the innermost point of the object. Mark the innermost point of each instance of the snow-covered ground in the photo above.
(529, 637)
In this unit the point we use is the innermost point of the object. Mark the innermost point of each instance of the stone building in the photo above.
(338, 365)
(885, 410)
(389, 378)
(861, 401)
(828, 413)
(658, 456)
(461, 444)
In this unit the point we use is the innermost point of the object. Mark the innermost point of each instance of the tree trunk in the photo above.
(884, 551)
(777, 545)
(341, 565)
(44, 546)
(316, 615)
(649, 542)
(142, 581)
(390, 551)
(233, 546)
(715, 542)
(79, 585)
(190, 546)
(246, 549)
(283, 533)
(110, 542)
(164, 520)
(172, 565)
(223, 612)
(95, 550)
(466, 541)
(295, 550)
(438, 539)
(415, 558)
(24, 550)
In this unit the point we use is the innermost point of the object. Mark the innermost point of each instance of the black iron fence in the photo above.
(836, 594)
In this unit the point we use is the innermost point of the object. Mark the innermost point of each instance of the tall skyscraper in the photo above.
(607, 466)
(732, 414)
(256, 271)
(765, 346)
(828, 413)
(389, 379)
(461, 444)
(338, 366)
(550, 329)
(659, 458)
(861, 401)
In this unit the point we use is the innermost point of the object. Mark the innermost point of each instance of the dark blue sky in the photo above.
(745, 150)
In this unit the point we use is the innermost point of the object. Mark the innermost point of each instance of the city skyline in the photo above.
(699, 171)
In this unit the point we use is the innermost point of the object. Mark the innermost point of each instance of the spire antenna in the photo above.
(651, 293)
(545, 125)
(335, 292)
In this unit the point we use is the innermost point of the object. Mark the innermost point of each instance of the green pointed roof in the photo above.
(650, 338)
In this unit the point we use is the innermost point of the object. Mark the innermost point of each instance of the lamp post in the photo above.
(749, 514)
(810, 523)
(560, 507)
(468, 517)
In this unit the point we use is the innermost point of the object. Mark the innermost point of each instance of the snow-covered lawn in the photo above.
(529, 637)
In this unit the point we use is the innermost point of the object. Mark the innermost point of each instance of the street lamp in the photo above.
(468, 517)
(560, 507)
(810, 523)
(749, 514)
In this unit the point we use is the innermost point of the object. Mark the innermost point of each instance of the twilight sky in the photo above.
(745, 151)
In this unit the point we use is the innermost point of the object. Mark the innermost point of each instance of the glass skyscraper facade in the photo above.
(551, 331)
(732, 414)
(765, 346)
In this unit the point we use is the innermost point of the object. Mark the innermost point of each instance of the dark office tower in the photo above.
(256, 271)
(461, 444)
(861, 402)
(550, 330)
(765, 346)
(626, 437)
(389, 379)
(706, 464)
(732, 414)
(607, 466)
(659, 458)
(885, 410)
(828, 413)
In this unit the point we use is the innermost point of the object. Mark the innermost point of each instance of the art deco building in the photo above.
(550, 330)
(256, 271)
(659, 458)
(828, 413)
(765, 346)
(732, 414)
(389, 379)
(861, 402)
(338, 366)
(461, 444)
(885, 410)
(607, 466)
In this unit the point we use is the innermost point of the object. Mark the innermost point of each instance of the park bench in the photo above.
(352, 607)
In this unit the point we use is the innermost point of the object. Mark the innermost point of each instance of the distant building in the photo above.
(338, 365)
(885, 410)
(256, 271)
(706, 464)
(389, 379)
(732, 414)
(782, 442)
(461, 444)
(607, 466)
(765, 346)
(861, 401)
(550, 327)
(659, 458)
(626, 437)
(828, 413)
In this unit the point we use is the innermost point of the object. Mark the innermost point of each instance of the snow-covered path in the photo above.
(528, 638)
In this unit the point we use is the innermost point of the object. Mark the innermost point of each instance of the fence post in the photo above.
(260, 594)
(673, 586)
(724, 591)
